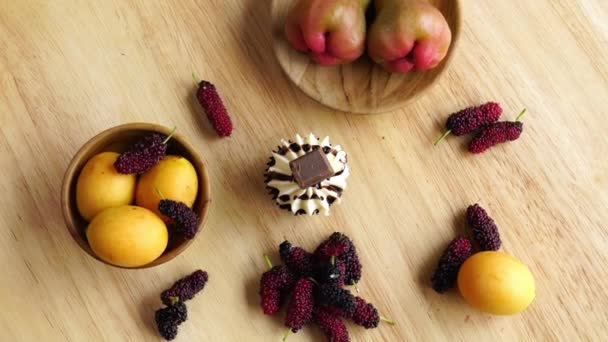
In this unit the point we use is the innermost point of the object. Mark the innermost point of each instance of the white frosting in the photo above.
(321, 192)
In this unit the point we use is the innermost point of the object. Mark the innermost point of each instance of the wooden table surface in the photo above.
(70, 70)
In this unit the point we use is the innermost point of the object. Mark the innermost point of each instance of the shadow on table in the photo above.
(146, 312)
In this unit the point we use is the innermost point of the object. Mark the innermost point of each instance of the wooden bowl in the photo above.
(362, 86)
(117, 139)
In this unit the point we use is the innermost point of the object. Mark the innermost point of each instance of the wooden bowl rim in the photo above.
(455, 27)
(203, 193)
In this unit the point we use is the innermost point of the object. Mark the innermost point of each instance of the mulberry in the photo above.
(298, 260)
(497, 133)
(353, 265)
(185, 288)
(274, 285)
(332, 325)
(184, 219)
(326, 272)
(143, 155)
(217, 114)
(168, 319)
(335, 297)
(484, 229)
(494, 134)
(365, 314)
(337, 245)
(471, 119)
(453, 257)
(301, 305)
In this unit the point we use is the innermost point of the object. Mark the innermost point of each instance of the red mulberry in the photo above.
(495, 134)
(274, 286)
(332, 325)
(484, 229)
(298, 260)
(365, 314)
(184, 219)
(301, 305)
(144, 154)
(335, 297)
(453, 257)
(168, 319)
(211, 101)
(471, 119)
(337, 245)
(185, 288)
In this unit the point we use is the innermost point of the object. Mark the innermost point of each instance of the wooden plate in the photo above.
(362, 86)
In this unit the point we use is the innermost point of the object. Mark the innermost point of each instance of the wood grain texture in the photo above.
(69, 71)
(360, 87)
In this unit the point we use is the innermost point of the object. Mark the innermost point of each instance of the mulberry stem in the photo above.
(195, 78)
(159, 193)
(443, 136)
(387, 320)
(170, 135)
(286, 334)
(268, 262)
(520, 115)
(333, 260)
(313, 280)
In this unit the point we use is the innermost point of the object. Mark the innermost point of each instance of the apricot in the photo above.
(127, 236)
(496, 283)
(100, 186)
(173, 177)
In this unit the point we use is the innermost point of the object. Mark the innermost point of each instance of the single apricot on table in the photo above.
(496, 283)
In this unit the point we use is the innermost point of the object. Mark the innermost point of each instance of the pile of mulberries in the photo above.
(143, 155)
(312, 285)
(485, 234)
(482, 121)
(183, 219)
(175, 313)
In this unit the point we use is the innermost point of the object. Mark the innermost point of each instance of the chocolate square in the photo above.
(311, 168)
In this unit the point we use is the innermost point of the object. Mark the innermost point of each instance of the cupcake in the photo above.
(307, 176)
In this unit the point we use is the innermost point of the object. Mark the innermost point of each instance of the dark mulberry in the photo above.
(452, 258)
(301, 305)
(471, 119)
(217, 114)
(337, 245)
(333, 296)
(185, 288)
(353, 265)
(332, 325)
(326, 272)
(494, 134)
(298, 260)
(168, 318)
(143, 155)
(185, 220)
(365, 314)
(274, 286)
(484, 229)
